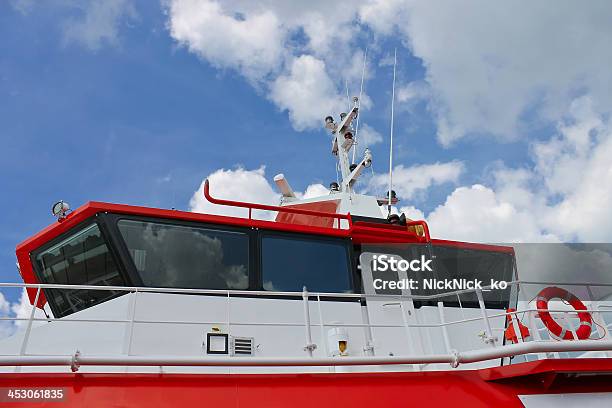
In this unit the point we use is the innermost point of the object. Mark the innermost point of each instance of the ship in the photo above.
(331, 301)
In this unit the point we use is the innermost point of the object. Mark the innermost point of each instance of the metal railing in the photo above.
(538, 346)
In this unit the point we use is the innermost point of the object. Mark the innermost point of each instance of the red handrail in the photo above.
(252, 206)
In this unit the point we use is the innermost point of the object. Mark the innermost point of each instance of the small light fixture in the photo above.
(329, 123)
(60, 209)
(393, 219)
(334, 187)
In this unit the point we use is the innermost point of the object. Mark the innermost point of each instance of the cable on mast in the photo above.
(365, 54)
(391, 141)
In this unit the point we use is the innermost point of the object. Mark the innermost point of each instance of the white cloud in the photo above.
(21, 309)
(408, 181)
(237, 185)
(23, 6)
(489, 65)
(368, 136)
(412, 212)
(314, 190)
(576, 165)
(563, 197)
(99, 23)
(412, 93)
(306, 92)
(477, 214)
(244, 185)
(288, 50)
(251, 43)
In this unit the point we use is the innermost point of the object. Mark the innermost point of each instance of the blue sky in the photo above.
(137, 102)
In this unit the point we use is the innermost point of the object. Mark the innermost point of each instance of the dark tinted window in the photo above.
(179, 256)
(81, 259)
(449, 263)
(289, 264)
(457, 263)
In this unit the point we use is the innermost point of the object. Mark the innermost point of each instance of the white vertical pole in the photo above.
(26, 335)
(365, 55)
(535, 331)
(485, 317)
(391, 139)
(131, 324)
(444, 328)
(310, 346)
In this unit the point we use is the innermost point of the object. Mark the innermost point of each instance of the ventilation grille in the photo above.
(241, 346)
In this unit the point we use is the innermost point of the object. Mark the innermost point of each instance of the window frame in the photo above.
(346, 243)
(112, 220)
(106, 236)
(109, 229)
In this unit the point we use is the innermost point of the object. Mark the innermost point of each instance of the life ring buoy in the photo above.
(586, 322)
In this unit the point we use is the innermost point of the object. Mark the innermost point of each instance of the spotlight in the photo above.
(60, 209)
(393, 219)
(329, 123)
(334, 187)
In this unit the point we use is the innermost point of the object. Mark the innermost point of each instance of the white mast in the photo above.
(391, 141)
(365, 55)
(342, 143)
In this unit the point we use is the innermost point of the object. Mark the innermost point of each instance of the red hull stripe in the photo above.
(474, 388)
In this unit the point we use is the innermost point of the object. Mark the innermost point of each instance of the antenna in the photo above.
(365, 54)
(348, 98)
(391, 142)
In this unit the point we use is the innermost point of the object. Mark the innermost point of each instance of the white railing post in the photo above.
(490, 339)
(535, 331)
(26, 335)
(598, 319)
(322, 325)
(444, 328)
(229, 313)
(132, 317)
(310, 346)
(368, 349)
(569, 325)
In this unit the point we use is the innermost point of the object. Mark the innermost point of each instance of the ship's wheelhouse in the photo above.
(119, 246)
(111, 249)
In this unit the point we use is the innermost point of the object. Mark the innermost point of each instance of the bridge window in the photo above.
(181, 256)
(289, 263)
(476, 265)
(81, 259)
